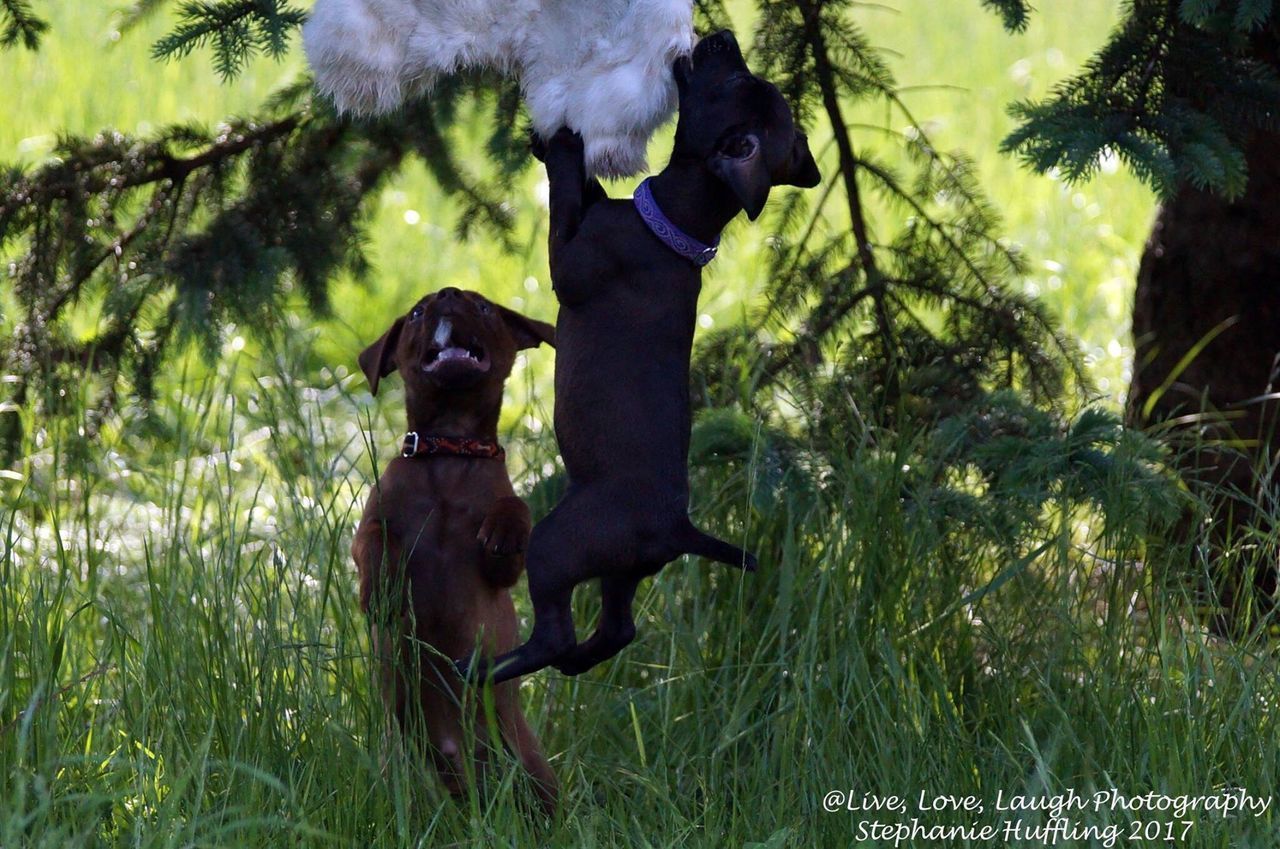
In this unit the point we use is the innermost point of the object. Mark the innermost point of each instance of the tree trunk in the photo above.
(1210, 280)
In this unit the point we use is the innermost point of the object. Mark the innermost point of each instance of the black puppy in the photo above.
(627, 275)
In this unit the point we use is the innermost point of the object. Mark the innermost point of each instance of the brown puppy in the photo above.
(443, 534)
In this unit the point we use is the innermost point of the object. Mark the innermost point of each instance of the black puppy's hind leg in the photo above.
(615, 632)
(552, 636)
(701, 544)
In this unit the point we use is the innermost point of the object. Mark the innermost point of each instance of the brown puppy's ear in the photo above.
(802, 171)
(379, 359)
(528, 332)
(740, 164)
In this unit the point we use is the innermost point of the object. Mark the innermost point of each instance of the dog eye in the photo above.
(416, 314)
(484, 307)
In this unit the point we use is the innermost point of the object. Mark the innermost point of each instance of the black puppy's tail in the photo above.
(705, 545)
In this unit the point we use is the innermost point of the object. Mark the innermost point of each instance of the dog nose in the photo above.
(718, 42)
(721, 38)
(452, 301)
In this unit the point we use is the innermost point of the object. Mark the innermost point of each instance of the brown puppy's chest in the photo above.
(440, 505)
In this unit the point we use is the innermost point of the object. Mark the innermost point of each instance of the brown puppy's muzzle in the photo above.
(457, 348)
(455, 342)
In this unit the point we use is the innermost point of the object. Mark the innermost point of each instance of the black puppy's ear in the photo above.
(740, 164)
(802, 171)
(528, 332)
(379, 359)
(682, 69)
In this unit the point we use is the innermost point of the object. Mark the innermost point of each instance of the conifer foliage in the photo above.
(891, 278)
(1174, 93)
(236, 31)
(1016, 13)
(20, 25)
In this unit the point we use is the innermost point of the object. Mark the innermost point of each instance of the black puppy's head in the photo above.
(450, 341)
(738, 124)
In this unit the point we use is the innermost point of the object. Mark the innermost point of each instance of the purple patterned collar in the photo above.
(671, 235)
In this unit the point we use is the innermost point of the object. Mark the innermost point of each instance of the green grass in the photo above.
(182, 662)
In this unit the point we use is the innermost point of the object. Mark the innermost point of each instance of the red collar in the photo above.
(449, 446)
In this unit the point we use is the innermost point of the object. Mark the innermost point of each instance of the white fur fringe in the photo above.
(602, 67)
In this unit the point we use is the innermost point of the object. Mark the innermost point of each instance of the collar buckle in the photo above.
(410, 445)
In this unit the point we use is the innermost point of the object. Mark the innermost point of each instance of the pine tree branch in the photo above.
(1176, 93)
(797, 255)
(822, 320)
(168, 168)
(237, 30)
(116, 249)
(20, 25)
(811, 15)
(1016, 14)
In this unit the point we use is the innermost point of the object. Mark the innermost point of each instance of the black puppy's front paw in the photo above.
(537, 146)
(568, 140)
(563, 139)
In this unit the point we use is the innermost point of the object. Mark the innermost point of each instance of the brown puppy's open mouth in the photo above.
(447, 357)
(470, 358)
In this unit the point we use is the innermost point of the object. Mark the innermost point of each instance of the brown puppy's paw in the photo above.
(505, 531)
(502, 540)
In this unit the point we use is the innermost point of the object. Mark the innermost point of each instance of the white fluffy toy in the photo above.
(601, 67)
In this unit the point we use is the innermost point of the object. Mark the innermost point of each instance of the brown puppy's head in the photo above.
(738, 124)
(452, 341)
